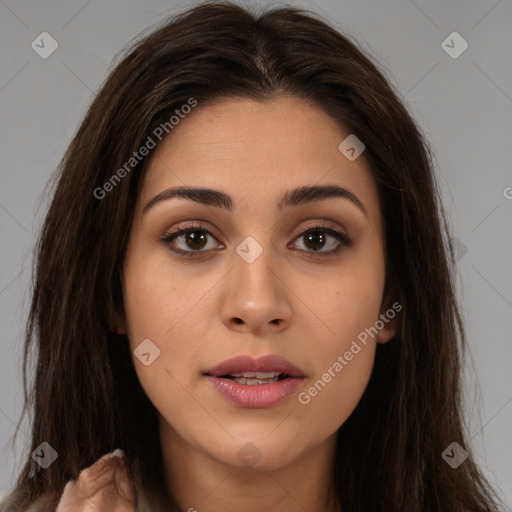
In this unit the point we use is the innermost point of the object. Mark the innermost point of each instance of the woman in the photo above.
(243, 297)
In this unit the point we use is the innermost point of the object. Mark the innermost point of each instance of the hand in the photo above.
(103, 487)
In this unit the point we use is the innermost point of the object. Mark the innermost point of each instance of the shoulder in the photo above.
(13, 503)
(9, 503)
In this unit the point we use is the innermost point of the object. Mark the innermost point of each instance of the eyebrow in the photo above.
(292, 198)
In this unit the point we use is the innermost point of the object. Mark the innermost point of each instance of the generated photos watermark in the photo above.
(454, 455)
(304, 397)
(137, 156)
(45, 455)
(146, 352)
(351, 147)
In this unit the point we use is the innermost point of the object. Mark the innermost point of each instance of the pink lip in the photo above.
(270, 363)
(260, 395)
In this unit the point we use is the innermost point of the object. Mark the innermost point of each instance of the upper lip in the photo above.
(244, 363)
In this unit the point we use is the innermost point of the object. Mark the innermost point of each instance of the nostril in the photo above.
(239, 321)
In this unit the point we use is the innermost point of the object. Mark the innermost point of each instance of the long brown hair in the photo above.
(86, 398)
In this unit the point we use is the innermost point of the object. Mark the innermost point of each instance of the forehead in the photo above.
(256, 150)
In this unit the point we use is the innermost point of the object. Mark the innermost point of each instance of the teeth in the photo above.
(267, 375)
(257, 375)
(254, 382)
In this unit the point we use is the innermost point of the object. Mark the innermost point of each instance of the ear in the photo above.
(117, 324)
(120, 329)
(116, 319)
(390, 310)
(389, 319)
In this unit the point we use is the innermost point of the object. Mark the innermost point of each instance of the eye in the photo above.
(190, 240)
(322, 240)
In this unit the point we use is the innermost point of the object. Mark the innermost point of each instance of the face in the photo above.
(288, 283)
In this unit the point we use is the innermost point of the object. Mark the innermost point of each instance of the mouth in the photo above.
(255, 383)
(250, 371)
(255, 378)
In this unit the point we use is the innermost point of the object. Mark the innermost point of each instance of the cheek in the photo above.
(342, 369)
(160, 299)
(342, 356)
(172, 310)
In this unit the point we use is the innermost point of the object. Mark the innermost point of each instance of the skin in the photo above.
(105, 486)
(201, 311)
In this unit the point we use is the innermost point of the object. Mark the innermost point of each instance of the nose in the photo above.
(257, 298)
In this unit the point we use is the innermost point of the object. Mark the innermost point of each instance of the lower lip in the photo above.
(257, 396)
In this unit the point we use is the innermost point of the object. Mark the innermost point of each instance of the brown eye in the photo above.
(315, 240)
(191, 241)
(319, 238)
(195, 239)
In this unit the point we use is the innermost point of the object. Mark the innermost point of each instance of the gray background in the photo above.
(463, 104)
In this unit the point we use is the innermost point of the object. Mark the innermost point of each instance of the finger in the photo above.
(101, 473)
(106, 485)
(123, 481)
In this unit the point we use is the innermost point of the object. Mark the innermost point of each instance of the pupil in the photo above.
(316, 238)
(195, 241)
(198, 239)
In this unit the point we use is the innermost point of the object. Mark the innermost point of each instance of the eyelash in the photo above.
(343, 240)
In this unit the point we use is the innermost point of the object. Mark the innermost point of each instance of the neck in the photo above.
(204, 484)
